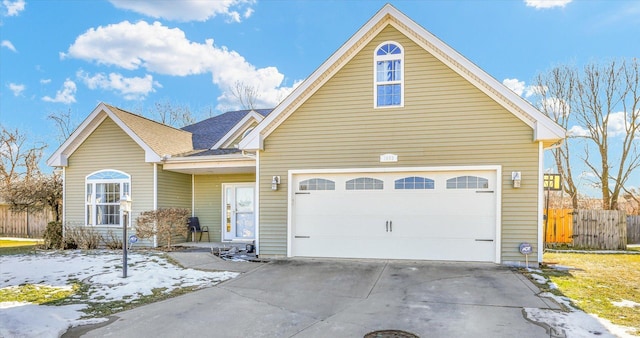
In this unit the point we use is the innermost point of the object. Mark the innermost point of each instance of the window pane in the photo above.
(364, 183)
(108, 214)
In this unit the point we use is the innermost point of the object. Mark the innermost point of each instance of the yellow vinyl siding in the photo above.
(174, 189)
(208, 199)
(108, 147)
(445, 121)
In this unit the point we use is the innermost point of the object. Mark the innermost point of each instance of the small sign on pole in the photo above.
(526, 249)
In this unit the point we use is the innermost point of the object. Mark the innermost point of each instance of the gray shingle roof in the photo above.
(208, 132)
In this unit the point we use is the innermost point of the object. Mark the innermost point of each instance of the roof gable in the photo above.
(213, 132)
(156, 139)
(544, 128)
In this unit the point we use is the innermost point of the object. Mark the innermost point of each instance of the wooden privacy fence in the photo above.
(559, 226)
(23, 224)
(633, 229)
(600, 229)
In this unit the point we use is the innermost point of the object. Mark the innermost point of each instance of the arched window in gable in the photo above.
(389, 75)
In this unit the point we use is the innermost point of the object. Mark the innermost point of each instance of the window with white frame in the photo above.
(388, 73)
(104, 189)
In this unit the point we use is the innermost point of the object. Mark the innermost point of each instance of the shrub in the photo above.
(112, 241)
(165, 223)
(81, 237)
(53, 236)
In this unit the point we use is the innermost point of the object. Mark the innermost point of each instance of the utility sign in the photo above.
(552, 182)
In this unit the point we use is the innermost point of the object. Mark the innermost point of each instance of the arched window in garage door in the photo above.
(468, 182)
(317, 184)
(364, 183)
(414, 183)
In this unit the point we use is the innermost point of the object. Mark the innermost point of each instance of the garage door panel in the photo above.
(435, 223)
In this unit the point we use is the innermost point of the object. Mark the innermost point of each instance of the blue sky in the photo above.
(67, 56)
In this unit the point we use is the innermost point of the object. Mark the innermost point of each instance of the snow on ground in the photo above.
(102, 270)
(626, 303)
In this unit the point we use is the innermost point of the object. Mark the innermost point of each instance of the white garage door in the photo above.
(400, 215)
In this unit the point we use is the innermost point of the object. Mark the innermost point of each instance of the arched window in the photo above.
(317, 184)
(104, 189)
(388, 73)
(467, 182)
(414, 183)
(364, 183)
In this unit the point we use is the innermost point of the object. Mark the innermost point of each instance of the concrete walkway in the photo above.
(339, 298)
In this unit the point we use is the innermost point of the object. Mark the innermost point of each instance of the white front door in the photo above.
(238, 212)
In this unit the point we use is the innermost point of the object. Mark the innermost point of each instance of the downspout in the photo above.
(257, 203)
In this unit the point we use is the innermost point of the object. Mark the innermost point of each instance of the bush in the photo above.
(164, 222)
(112, 241)
(53, 236)
(81, 237)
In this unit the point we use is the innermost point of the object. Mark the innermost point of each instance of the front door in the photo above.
(238, 212)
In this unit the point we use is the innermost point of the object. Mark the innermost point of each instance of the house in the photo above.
(396, 147)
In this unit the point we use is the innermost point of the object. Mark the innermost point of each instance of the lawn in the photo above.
(17, 246)
(607, 285)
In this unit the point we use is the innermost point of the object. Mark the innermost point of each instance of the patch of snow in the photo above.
(553, 286)
(626, 303)
(102, 270)
(539, 278)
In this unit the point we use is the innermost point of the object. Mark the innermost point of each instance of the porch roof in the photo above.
(236, 163)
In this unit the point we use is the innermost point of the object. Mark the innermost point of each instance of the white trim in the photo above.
(540, 201)
(257, 206)
(155, 199)
(193, 195)
(64, 196)
(498, 190)
(60, 157)
(223, 209)
(544, 127)
(377, 58)
(231, 134)
(94, 203)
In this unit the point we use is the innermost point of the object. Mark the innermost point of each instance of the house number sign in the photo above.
(389, 158)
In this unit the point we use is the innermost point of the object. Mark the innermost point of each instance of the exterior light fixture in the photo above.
(274, 183)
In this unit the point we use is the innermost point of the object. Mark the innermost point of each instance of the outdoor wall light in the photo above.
(516, 177)
(274, 183)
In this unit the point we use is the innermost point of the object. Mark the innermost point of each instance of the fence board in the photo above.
(559, 226)
(633, 229)
(600, 229)
(21, 224)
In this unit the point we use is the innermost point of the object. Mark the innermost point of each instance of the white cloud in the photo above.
(187, 10)
(64, 95)
(17, 89)
(131, 88)
(577, 131)
(9, 45)
(248, 13)
(520, 88)
(617, 125)
(163, 50)
(515, 85)
(538, 4)
(45, 81)
(13, 7)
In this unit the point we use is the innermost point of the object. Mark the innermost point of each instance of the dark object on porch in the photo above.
(194, 227)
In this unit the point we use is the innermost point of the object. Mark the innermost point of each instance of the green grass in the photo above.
(597, 281)
(36, 294)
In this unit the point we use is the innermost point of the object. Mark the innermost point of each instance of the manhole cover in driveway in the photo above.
(390, 334)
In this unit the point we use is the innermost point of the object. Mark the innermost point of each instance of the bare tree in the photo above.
(18, 159)
(603, 104)
(555, 90)
(245, 94)
(63, 124)
(172, 114)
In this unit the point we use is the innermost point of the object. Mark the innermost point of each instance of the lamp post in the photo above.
(125, 206)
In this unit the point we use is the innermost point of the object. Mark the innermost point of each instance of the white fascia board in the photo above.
(60, 156)
(239, 127)
(544, 127)
(459, 63)
(254, 141)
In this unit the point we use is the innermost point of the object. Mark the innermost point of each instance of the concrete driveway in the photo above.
(344, 298)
